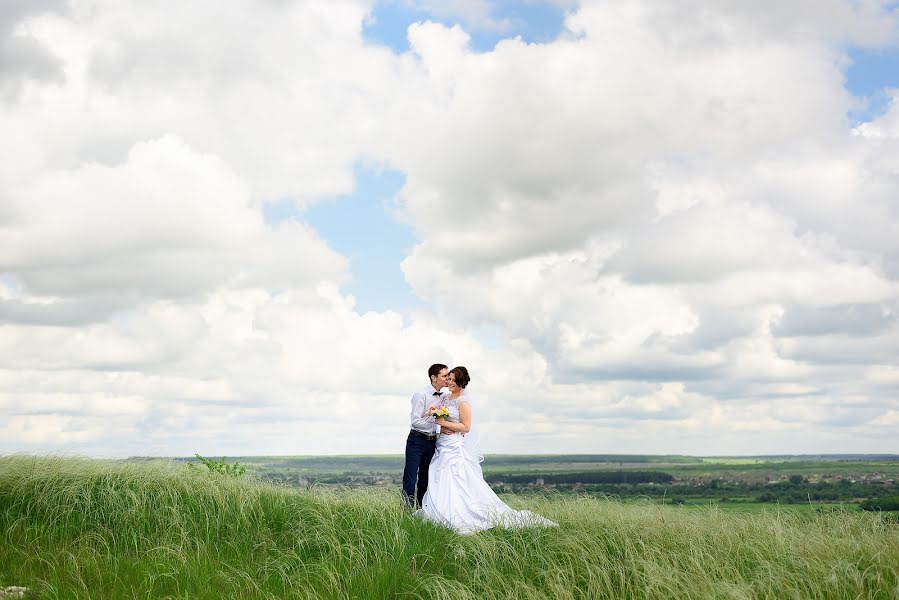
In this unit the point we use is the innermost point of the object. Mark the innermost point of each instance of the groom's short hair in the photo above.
(435, 369)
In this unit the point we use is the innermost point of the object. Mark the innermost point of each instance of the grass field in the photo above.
(78, 528)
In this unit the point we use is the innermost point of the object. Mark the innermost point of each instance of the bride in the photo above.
(457, 496)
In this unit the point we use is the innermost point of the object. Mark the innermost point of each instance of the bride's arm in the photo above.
(464, 416)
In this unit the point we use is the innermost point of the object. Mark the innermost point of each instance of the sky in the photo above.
(249, 227)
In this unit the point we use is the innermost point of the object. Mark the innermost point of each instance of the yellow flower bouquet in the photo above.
(441, 412)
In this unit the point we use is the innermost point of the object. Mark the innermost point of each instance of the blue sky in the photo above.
(871, 73)
(363, 228)
(534, 22)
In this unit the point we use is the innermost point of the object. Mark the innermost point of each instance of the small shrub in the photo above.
(220, 467)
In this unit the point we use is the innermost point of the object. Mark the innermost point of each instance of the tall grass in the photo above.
(79, 528)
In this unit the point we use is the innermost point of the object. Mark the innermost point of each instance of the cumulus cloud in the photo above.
(168, 222)
(301, 369)
(23, 57)
(286, 91)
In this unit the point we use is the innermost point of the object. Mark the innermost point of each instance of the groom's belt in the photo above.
(427, 436)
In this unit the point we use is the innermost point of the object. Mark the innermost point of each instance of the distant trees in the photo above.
(613, 477)
(885, 503)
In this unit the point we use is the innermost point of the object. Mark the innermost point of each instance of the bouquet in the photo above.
(438, 413)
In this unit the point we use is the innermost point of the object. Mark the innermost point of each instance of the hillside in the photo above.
(79, 528)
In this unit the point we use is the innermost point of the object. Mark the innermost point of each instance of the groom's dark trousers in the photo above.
(419, 452)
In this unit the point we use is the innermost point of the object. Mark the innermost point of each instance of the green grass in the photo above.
(78, 528)
(749, 506)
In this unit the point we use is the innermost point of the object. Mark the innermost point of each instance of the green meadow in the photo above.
(843, 482)
(80, 528)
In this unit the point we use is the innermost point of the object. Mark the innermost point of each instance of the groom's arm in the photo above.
(419, 417)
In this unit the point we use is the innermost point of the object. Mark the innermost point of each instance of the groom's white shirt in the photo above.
(421, 401)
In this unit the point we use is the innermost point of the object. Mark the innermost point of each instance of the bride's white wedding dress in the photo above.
(457, 496)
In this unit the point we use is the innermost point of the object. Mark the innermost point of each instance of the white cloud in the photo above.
(285, 90)
(169, 222)
(23, 58)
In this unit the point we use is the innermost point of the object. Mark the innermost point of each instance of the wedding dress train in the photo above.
(459, 498)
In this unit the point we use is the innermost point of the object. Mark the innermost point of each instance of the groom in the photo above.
(422, 437)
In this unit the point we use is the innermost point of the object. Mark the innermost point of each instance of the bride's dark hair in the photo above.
(460, 374)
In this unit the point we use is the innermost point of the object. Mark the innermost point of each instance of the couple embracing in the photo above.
(443, 458)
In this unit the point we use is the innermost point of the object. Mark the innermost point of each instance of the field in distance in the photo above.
(737, 483)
